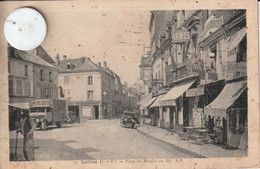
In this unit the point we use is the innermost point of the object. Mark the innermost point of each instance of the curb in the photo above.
(184, 150)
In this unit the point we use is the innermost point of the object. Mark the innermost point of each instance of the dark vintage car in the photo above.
(130, 120)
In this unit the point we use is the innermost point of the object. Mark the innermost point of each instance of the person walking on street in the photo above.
(27, 129)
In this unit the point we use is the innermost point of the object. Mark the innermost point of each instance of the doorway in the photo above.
(171, 117)
(96, 112)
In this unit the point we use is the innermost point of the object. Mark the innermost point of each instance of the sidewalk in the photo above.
(204, 151)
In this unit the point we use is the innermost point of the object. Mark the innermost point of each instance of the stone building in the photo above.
(92, 91)
(199, 72)
(32, 75)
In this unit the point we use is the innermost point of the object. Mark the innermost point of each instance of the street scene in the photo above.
(185, 96)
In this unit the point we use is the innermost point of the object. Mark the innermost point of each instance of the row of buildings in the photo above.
(91, 90)
(195, 73)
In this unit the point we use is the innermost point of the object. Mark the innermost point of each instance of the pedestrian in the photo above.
(27, 129)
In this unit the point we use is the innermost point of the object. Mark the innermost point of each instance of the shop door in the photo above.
(224, 123)
(185, 111)
(86, 112)
(171, 117)
(96, 111)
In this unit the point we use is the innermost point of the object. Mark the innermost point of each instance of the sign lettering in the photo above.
(181, 36)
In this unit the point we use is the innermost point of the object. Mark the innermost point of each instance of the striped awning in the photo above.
(226, 98)
(236, 39)
(175, 92)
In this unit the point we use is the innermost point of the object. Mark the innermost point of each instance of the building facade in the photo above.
(92, 91)
(30, 76)
(197, 56)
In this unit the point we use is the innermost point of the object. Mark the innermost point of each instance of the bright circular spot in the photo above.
(25, 29)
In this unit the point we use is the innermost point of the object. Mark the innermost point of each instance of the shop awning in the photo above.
(150, 102)
(236, 39)
(175, 92)
(225, 99)
(24, 105)
(156, 103)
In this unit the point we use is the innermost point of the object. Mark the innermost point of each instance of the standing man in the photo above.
(27, 129)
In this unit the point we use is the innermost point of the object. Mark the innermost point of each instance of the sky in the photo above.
(116, 36)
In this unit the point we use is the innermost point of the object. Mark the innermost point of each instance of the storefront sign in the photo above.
(181, 36)
(87, 103)
(167, 103)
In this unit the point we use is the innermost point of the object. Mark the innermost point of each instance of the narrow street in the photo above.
(99, 139)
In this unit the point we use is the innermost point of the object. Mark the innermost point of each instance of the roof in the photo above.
(228, 95)
(78, 65)
(33, 58)
(44, 55)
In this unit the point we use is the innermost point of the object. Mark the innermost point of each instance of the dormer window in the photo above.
(68, 66)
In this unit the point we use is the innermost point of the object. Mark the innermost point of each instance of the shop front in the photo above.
(202, 95)
(226, 116)
(86, 110)
(156, 112)
(176, 107)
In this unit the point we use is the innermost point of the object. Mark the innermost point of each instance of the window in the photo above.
(213, 55)
(25, 70)
(50, 93)
(27, 88)
(242, 50)
(66, 79)
(90, 94)
(68, 66)
(45, 93)
(18, 87)
(50, 76)
(90, 82)
(41, 75)
(9, 68)
(11, 87)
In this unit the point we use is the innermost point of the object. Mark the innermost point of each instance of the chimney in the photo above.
(99, 64)
(105, 64)
(57, 59)
(64, 57)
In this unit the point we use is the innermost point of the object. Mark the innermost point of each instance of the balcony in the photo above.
(182, 70)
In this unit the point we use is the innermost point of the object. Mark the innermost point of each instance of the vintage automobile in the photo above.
(130, 120)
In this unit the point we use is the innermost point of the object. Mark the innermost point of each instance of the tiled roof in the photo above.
(78, 65)
(33, 58)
